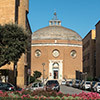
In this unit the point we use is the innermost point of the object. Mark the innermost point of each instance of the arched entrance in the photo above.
(55, 69)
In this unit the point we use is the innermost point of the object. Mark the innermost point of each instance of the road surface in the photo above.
(70, 90)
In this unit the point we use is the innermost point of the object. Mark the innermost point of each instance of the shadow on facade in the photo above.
(79, 75)
(7, 75)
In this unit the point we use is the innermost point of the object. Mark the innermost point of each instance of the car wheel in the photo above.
(57, 90)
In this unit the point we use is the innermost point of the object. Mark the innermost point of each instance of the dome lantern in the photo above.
(55, 21)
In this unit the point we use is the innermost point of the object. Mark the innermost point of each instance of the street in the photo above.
(70, 90)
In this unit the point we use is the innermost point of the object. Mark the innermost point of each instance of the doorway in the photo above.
(55, 74)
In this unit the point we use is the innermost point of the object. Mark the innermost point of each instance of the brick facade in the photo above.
(98, 49)
(70, 65)
(89, 51)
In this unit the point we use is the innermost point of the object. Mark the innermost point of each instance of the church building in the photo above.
(56, 51)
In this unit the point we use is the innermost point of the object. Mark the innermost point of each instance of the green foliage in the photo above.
(37, 74)
(13, 42)
(32, 79)
(89, 78)
(35, 77)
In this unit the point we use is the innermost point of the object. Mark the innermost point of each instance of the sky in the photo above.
(78, 15)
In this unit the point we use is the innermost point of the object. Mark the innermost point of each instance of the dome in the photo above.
(56, 32)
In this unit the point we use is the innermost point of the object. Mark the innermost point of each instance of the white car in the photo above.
(96, 87)
(63, 83)
(35, 86)
(87, 85)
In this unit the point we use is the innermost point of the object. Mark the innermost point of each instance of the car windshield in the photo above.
(63, 81)
(77, 81)
(87, 82)
(98, 84)
(1, 84)
(52, 82)
(5, 85)
(40, 84)
(70, 82)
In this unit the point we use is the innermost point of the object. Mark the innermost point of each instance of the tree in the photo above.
(36, 75)
(13, 43)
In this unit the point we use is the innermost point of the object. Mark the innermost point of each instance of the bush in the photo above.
(89, 78)
(35, 77)
(44, 95)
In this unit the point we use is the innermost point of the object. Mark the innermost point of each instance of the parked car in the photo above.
(35, 86)
(87, 85)
(96, 87)
(7, 87)
(52, 85)
(81, 84)
(76, 83)
(69, 83)
(63, 82)
(92, 85)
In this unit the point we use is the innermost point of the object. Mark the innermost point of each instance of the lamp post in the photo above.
(15, 74)
(43, 71)
(29, 74)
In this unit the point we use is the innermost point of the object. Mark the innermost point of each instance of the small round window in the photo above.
(55, 53)
(73, 53)
(37, 53)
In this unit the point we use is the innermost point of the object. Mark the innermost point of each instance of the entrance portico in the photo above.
(55, 69)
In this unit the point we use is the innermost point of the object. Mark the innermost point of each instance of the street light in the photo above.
(43, 71)
(15, 74)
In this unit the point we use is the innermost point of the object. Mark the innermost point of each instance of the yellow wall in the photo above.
(7, 11)
(7, 15)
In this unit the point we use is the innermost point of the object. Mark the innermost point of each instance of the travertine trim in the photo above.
(50, 44)
(59, 68)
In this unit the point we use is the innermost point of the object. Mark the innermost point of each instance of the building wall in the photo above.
(12, 11)
(89, 50)
(98, 49)
(70, 65)
(22, 12)
(7, 11)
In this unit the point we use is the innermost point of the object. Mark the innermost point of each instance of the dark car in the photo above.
(7, 87)
(92, 85)
(81, 84)
(52, 85)
(69, 83)
(77, 83)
